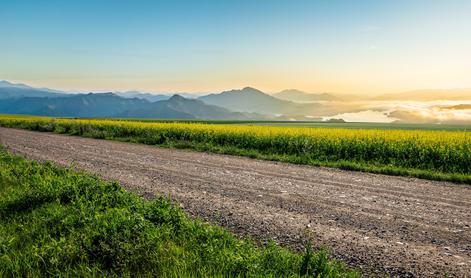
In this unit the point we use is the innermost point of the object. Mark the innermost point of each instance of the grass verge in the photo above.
(60, 222)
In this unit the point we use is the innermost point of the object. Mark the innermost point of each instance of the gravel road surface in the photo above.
(380, 224)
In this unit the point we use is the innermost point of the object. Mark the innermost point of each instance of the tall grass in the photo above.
(59, 222)
(442, 155)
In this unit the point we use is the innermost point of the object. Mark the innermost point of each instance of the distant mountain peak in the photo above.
(252, 90)
(248, 88)
(20, 86)
(248, 100)
(176, 97)
(243, 91)
(11, 84)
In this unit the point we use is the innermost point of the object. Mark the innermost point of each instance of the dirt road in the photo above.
(401, 226)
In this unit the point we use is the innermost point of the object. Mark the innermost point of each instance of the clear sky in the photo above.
(360, 47)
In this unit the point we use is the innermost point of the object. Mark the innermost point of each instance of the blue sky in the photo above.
(361, 47)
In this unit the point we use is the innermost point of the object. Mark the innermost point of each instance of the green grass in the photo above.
(60, 222)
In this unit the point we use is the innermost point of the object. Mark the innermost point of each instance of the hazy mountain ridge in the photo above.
(80, 105)
(300, 96)
(252, 100)
(147, 96)
(7, 84)
(12, 90)
(178, 107)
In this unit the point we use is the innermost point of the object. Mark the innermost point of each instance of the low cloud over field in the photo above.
(453, 114)
(441, 112)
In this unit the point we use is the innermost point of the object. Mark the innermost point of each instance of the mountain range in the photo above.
(243, 104)
(23, 99)
(247, 103)
(178, 107)
(80, 105)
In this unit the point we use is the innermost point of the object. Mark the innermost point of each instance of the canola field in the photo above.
(439, 155)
